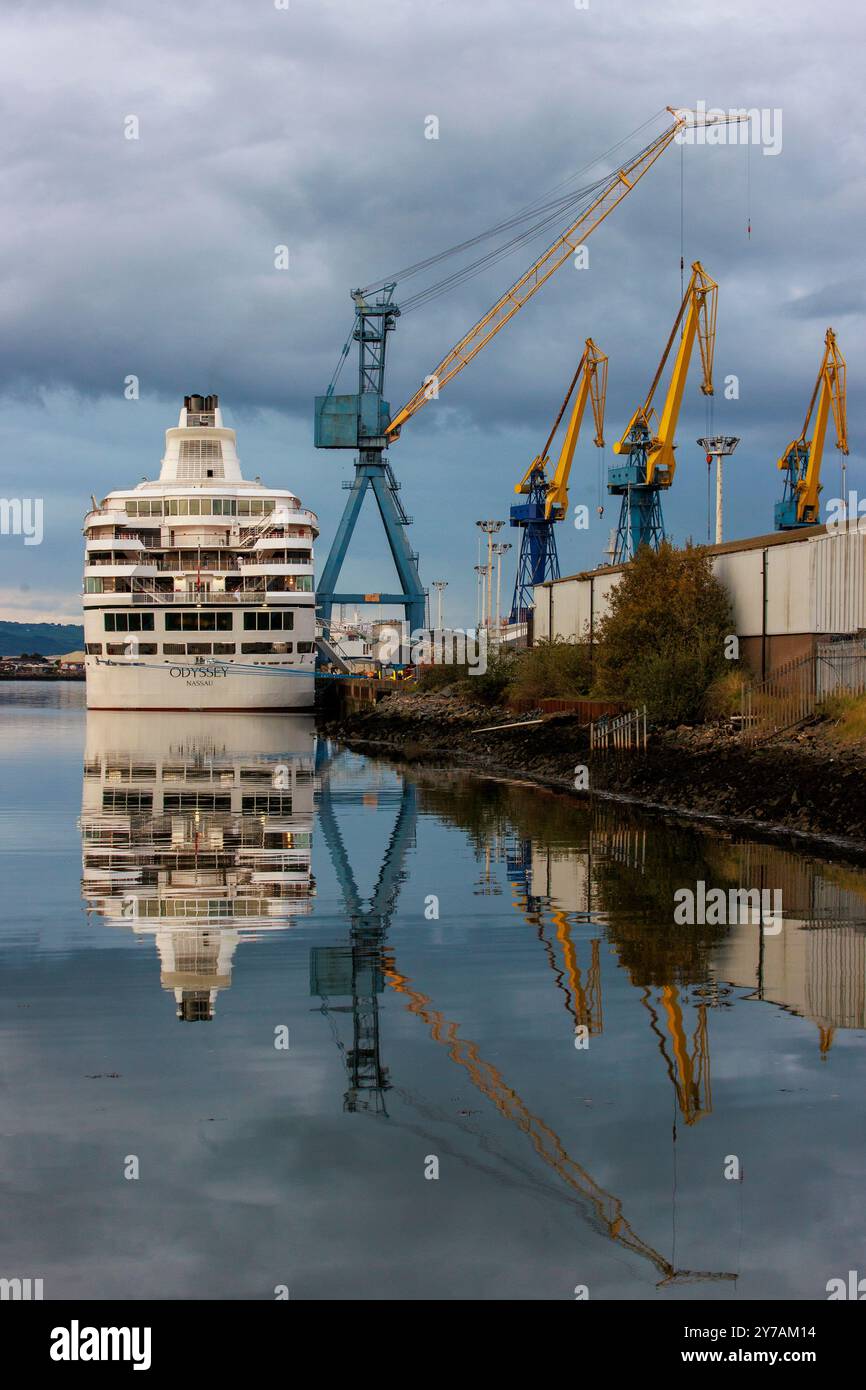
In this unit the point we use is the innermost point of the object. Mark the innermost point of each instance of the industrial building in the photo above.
(787, 589)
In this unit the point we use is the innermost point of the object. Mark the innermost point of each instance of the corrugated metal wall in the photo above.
(839, 583)
(812, 586)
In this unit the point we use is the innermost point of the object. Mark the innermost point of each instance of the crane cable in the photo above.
(547, 204)
(552, 208)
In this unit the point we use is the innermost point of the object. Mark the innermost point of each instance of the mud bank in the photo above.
(797, 788)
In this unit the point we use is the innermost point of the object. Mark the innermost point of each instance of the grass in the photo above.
(847, 716)
(723, 696)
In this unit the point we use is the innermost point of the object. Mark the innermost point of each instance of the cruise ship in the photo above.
(196, 833)
(198, 587)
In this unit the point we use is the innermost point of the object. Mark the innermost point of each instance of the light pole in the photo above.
(718, 447)
(480, 574)
(439, 585)
(499, 550)
(489, 529)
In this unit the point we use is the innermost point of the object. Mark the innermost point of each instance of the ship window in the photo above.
(113, 800)
(196, 801)
(94, 649)
(198, 622)
(305, 648)
(263, 622)
(174, 649)
(273, 802)
(223, 648)
(198, 648)
(129, 622)
(257, 648)
(143, 506)
(93, 586)
(255, 506)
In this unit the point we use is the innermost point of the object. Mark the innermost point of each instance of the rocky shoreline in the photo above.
(800, 788)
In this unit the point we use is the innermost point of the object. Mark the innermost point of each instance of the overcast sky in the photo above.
(260, 126)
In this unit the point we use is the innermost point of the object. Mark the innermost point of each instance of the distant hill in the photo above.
(48, 639)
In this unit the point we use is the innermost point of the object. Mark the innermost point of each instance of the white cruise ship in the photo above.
(198, 588)
(196, 833)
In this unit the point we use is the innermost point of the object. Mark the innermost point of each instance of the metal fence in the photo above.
(783, 699)
(794, 690)
(841, 668)
(626, 731)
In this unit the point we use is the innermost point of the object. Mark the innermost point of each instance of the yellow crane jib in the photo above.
(801, 461)
(592, 375)
(645, 431)
(613, 191)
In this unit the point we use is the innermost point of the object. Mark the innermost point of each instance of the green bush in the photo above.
(552, 669)
(662, 643)
(492, 687)
(437, 677)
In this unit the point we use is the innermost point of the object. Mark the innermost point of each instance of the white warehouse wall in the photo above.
(786, 589)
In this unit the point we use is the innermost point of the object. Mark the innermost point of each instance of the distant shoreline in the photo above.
(42, 676)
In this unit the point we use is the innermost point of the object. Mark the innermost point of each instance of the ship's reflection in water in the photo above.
(197, 832)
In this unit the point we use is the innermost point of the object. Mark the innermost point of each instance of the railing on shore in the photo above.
(841, 668)
(793, 692)
(784, 698)
(625, 732)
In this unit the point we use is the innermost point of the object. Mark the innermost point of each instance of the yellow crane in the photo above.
(689, 1070)
(605, 1210)
(548, 496)
(648, 441)
(801, 461)
(362, 421)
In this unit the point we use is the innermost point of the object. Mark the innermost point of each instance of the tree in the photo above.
(662, 642)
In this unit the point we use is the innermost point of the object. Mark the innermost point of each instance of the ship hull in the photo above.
(199, 688)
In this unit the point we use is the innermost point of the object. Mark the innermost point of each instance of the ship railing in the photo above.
(148, 542)
(196, 596)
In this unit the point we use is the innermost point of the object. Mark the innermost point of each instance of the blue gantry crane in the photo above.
(360, 421)
(648, 443)
(548, 497)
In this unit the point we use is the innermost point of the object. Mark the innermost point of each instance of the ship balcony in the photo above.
(117, 516)
(215, 562)
(249, 594)
(194, 596)
(124, 567)
(262, 565)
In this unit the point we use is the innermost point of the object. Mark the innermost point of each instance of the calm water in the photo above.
(184, 896)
